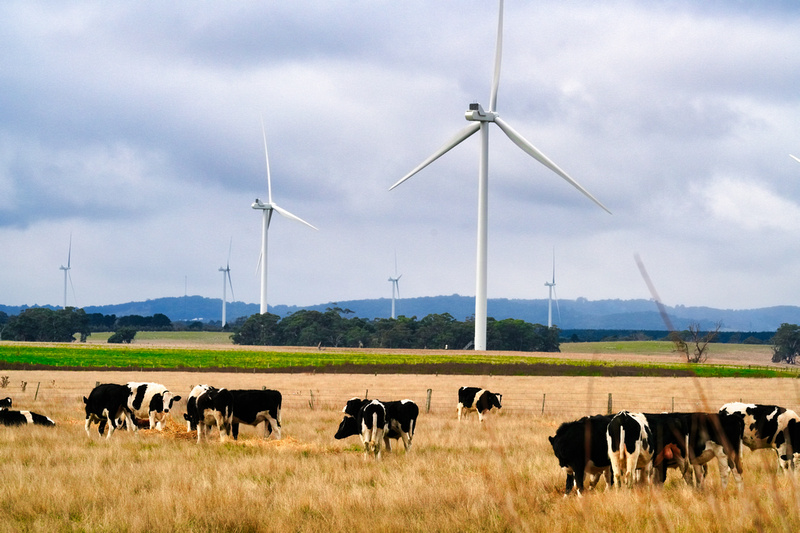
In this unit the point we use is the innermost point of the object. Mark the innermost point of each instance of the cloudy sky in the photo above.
(135, 127)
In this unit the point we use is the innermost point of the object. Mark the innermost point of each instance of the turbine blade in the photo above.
(558, 308)
(446, 147)
(498, 54)
(74, 298)
(266, 155)
(793, 157)
(287, 214)
(69, 254)
(233, 298)
(531, 150)
(258, 265)
(652, 288)
(554, 266)
(230, 247)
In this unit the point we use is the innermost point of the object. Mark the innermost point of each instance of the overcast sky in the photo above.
(135, 127)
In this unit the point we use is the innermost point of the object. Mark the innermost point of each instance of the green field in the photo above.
(201, 350)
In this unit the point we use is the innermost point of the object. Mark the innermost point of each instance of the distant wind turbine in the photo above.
(552, 286)
(395, 285)
(267, 209)
(66, 270)
(480, 122)
(226, 280)
(793, 157)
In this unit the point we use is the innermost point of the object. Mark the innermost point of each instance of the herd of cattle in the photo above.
(639, 447)
(625, 448)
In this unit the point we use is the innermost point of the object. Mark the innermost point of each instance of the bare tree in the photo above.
(700, 341)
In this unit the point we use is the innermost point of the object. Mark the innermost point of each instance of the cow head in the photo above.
(5, 403)
(496, 399)
(347, 428)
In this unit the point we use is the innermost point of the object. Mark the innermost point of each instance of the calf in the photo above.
(630, 447)
(5, 403)
(401, 421)
(768, 426)
(581, 449)
(107, 404)
(191, 407)
(367, 419)
(152, 401)
(214, 406)
(252, 407)
(479, 400)
(18, 418)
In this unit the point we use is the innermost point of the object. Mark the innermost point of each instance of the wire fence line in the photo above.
(550, 404)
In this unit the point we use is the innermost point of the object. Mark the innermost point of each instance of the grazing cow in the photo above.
(367, 419)
(107, 404)
(214, 406)
(630, 447)
(152, 401)
(401, 421)
(716, 435)
(479, 400)
(769, 426)
(191, 407)
(18, 418)
(5, 403)
(581, 449)
(252, 407)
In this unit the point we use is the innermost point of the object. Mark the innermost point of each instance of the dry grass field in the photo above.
(458, 477)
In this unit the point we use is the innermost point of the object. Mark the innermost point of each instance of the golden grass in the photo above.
(458, 477)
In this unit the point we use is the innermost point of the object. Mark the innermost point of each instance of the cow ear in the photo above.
(550, 439)
(176, 398)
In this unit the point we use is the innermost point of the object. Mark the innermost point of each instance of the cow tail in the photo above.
(621, 443)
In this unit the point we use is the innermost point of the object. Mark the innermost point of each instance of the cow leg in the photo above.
(235, 430)
(459, 409)
(570, 481)
(272, 425)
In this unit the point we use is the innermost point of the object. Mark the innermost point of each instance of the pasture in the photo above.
(459, 477)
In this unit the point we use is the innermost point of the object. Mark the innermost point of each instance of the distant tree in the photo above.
(42, 324)
(700, 341)
(258, 330)
(123, 335)
(786, 344)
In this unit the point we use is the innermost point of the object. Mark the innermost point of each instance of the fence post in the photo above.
(428, 401)
(311, 401)
(544, 395)
(610, 403)
(673, 404)
(366, 394)
(37, 391)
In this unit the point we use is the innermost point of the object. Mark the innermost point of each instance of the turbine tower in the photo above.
(552, 286)
(226, 280)
(395, 286)
(480, 120)
(267, 209)
(66, 270)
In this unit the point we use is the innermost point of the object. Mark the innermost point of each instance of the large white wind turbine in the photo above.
(395, 286)
(267, 209)
(480, 122)
(226, 280)
(66, 270)
(552, 286)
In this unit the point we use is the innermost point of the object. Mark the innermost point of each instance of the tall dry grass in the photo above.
(459, 477)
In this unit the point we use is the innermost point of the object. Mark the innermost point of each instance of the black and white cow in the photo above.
(214, 406)
(630, 448)
(367, 419)
(252, 407)
(716, 435)
(107, 404)
(669, 444)
(5, 403)
(582, 450)
(191, 407)
(479, 400)
(401, 422)
(769, 426)
(19, 418)
(152, 401)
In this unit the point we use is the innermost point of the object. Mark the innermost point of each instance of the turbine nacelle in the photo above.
(478, 114)
(258, 204)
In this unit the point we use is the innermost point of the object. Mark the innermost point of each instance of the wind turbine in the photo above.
(552, 286)
(226, 280)
(267, 209)
(480, 120)
(793, 157)
(395, 285)
(66, 270)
